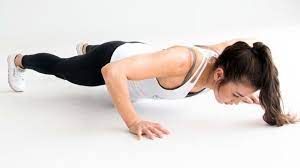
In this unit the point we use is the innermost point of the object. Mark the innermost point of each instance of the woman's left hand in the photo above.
(251, 99)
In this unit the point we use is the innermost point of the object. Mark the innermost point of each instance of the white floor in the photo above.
(58, 124)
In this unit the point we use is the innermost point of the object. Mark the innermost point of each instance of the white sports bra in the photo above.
(150, 88)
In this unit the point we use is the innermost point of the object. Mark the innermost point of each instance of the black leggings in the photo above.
(81, 70)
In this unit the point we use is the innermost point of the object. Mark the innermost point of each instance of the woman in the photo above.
(234, 70)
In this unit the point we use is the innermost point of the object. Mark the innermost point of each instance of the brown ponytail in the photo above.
(270, 96)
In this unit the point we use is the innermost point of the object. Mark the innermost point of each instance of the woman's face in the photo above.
(230, 92)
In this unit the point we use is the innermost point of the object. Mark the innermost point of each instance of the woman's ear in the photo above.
(218, 74)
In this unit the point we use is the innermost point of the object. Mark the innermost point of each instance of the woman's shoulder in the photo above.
(222, 45)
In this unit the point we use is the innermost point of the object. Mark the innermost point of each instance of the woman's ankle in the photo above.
(18, 61)
(85, 48)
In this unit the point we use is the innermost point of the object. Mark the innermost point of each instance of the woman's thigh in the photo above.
(86, 69)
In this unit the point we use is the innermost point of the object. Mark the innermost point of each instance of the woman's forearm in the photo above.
(117, 86)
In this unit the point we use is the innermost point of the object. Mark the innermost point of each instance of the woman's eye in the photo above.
(235, 95)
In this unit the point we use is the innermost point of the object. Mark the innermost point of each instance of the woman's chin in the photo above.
(218, 99)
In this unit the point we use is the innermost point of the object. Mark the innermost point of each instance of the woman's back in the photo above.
(152, 87)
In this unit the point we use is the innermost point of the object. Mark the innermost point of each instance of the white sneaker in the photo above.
(80, 48)
(15, 75)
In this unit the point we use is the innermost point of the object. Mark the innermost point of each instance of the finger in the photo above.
(163, 130)
(149, 133)
(139, 133)
(160, 128)
(255, 99)
(156, 124)
(257, 102)
(247, 100)
(156, 132)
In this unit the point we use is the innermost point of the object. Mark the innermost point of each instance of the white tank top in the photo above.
(150, 88)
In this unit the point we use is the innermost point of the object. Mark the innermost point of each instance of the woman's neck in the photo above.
(206, 79)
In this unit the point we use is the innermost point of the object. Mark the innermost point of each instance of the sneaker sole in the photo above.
(79, 48)
(9, 67)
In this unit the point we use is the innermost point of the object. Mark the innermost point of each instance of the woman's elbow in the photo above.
(105, 70)
(109, 71)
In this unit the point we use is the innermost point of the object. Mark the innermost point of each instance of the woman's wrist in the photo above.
(133, 122)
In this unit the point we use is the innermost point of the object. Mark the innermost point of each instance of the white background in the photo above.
(58, 124)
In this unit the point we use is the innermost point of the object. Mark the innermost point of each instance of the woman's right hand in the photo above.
(150, 129)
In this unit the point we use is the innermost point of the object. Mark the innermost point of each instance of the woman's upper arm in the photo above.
(172, 61)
